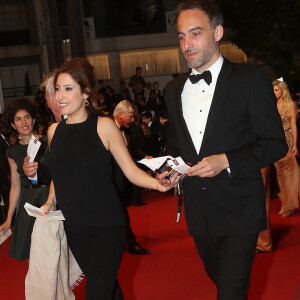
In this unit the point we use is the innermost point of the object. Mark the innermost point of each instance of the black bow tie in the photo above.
(205, 75)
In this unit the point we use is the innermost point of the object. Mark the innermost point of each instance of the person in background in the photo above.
(123, 92)
(47, 86)
(154, 103)
(224, 122)
(147, 90)
(81, 149)
(32, 169)
(111, 99)
(140, 103)
(4, 174)
(264, 241)
(100, 85)
(41, 106)
(40, 101)
(157, 90)
(137, 81)
(20, 116)
(123, 117)
(147, 137)
(162, 133)
(287, 168)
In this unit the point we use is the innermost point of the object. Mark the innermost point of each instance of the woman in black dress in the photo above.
(20, 117)
(81, 151)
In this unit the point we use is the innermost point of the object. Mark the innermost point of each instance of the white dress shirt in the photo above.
(196, 101)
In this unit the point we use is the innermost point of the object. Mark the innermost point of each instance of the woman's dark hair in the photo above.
(209, 7)
(82, 72)
(15, 106)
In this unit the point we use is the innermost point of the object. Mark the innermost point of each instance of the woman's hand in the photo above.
(29, 168)
(47, 206)
(4, 227)
(163, 184)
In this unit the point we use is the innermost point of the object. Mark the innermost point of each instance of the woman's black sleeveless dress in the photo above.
(81, 170)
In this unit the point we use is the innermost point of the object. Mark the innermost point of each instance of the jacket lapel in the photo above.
(216, 105)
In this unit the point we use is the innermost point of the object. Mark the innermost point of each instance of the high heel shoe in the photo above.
(287, 213)
(281, 212)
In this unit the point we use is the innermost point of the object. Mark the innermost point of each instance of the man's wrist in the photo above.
(225, 161)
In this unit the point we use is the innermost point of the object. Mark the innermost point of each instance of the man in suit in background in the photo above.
(4, 178)
(124, 116)
(224, 121)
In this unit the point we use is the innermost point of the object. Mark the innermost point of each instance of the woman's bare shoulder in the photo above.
(51, 131)
(106, 123)
(52, 127)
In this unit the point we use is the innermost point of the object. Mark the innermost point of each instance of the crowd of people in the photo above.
(87, 165)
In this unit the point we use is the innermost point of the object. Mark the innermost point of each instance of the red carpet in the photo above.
(173, 270)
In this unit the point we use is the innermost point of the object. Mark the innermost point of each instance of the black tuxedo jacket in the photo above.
(136, 141)
(243, 123)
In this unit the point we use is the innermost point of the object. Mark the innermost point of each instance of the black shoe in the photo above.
(138, 250)
(139, 204)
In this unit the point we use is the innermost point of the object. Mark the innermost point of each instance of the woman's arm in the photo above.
(50, 204)
(293, 111)
(51, 200)
(14, 195)
(114, 141)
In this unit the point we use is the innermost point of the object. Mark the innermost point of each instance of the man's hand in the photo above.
(29, 168)
(209, 166)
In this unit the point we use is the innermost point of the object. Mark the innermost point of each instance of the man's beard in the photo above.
(203, 57)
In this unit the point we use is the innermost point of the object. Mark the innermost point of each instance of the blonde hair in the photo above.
(124, 106)
(286, 96)
(48, 83)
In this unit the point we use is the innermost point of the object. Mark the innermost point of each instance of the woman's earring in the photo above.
(87, 102)
(13, 126)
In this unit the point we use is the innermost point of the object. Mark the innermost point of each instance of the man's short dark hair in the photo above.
(147, 114)
(138, 68)
(209, 7)
(164, 115)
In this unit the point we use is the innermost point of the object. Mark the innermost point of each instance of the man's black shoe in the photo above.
(138, 250)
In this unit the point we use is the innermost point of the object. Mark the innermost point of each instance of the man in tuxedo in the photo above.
(224, 121)
(124, 116)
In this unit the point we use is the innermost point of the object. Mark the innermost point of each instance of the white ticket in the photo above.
(33, 148)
